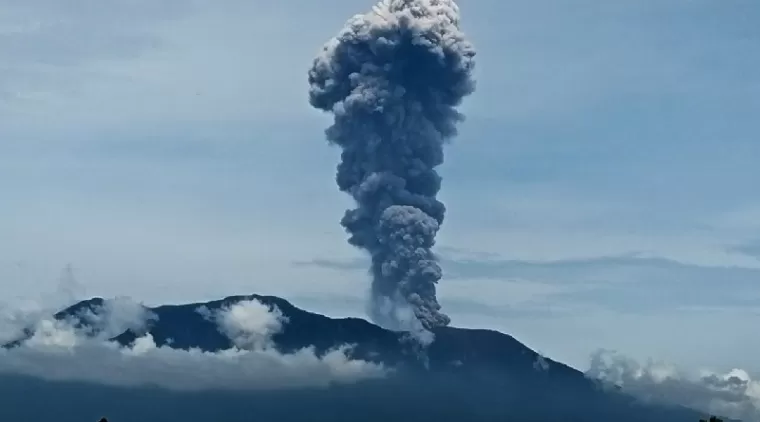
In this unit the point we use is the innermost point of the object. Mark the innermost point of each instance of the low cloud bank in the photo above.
(60, 350)
(734, 394)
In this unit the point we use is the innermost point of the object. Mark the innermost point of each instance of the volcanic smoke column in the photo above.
(392, 79)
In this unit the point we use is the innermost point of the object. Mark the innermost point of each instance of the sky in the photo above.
(599, 195)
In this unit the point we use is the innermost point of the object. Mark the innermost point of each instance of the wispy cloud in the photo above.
(629, 283)
(50, 51)
(750, 249)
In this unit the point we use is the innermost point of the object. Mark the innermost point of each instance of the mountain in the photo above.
(464, 375)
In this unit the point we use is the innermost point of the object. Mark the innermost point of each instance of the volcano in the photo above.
(463, 375)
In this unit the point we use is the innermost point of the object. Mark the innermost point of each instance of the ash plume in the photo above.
(392, 79)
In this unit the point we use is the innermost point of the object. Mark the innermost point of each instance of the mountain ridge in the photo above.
(305, 328)
(478, 374)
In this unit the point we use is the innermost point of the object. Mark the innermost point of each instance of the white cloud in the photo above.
(59, 351)
(733, 394)
(116, 316)
(249, 324)
(53, 333)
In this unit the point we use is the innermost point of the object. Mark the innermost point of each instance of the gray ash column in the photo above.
(392, 79)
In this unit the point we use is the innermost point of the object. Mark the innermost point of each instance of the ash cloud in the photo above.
(65, 351)
(393, 78)
(734, 394)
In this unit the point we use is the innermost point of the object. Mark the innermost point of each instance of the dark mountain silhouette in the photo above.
(464, 375)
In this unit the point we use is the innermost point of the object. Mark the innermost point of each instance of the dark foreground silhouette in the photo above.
(471, 375)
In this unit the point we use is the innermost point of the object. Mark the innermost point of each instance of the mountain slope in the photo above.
(473, 375)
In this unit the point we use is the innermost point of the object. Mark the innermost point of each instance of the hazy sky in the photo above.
(602, 192)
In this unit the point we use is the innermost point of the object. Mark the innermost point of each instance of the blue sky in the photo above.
(600, 194)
